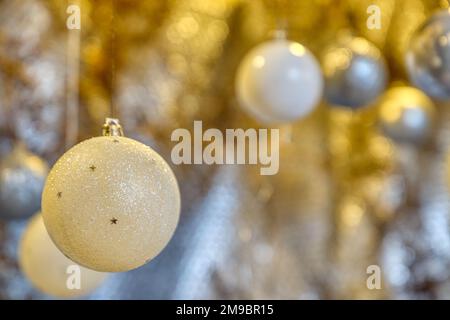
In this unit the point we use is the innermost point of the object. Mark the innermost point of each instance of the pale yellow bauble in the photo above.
(111, 203)
(48, 269)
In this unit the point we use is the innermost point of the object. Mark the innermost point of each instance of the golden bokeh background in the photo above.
(346, 196)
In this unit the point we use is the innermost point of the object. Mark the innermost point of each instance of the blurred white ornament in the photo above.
(111, 203)
(279, 81)
(48, 269)
(406, 115)
(428, 56)
(355, 72)
(22, 177)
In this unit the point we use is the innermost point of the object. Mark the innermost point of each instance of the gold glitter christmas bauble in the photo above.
(111, 203)
(49, 270)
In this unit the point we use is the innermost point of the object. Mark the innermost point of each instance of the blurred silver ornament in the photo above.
(33, 92)
(406, 115)
(37, 107)
(23, 23)
(355, 72)
(22, 177)
(428, 56)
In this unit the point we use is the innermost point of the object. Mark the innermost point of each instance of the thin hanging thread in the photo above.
(72, 83)
(112, 61)
(281, 18)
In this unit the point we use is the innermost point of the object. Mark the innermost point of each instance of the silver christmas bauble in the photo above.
(22, 177)
(428, 56)
(51, 271)
(111, 203)
(279, 81)
(355, 72)
(406, 115)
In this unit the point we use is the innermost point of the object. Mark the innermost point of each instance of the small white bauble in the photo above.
(279, 81)
(48, 269)
(406, 115)
(111, 203)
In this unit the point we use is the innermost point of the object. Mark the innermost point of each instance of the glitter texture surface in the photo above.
(46, 267)
(111, 204)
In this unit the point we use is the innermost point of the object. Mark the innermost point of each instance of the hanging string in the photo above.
(72, 85)
(112, 127)
(112, 56)
(281, 24)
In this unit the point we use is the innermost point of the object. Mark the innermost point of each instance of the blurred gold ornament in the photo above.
(48, 269)
(406, 114)
(279, 81)
(111, 203)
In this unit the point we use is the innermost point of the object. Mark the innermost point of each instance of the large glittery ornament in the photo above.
(428, 56)
(111, 203)
(279, 81)
(48, 269)
(355, 72)
(22, 177)
(406, 115)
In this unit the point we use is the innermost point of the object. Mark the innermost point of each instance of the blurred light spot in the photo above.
(352, 214)
(187, 27)
(259, 62)
(361, 46)
(297, 49)
(337, 59)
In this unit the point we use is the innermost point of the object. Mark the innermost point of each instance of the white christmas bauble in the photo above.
(279, 81)
(48, 269)
(111, 203)
(406, 115)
